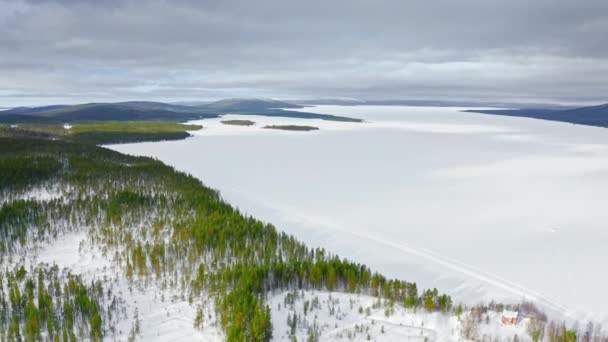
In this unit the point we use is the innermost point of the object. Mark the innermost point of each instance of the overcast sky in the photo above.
(69, 51)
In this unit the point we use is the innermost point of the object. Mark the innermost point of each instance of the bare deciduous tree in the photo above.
(470, 328)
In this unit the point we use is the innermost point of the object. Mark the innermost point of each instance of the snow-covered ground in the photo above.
(156, 314)
(480, 206)
(150, 313)
(40, 193)
(351, 317)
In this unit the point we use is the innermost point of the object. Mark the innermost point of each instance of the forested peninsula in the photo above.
(157, 226)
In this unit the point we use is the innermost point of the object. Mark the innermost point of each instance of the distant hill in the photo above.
(123, 111)
(424, 103)
(248, 105)
(27, 110)
(19, 118)
(591, 116)
(191, 103)
(267, 107)
(330, 102)
(159, 111)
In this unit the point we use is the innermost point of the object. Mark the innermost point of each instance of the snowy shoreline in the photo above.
(426, 169)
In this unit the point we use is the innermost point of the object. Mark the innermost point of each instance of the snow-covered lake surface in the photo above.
(480, 206)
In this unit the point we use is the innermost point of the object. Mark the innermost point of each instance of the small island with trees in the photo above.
(301, 128)
(238, 122)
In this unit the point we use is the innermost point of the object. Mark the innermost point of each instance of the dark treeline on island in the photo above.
(238, 122)
(301, 128)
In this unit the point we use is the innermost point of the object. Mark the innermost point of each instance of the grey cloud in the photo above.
(68, 50)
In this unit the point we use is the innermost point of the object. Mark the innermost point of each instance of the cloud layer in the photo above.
(519, 50)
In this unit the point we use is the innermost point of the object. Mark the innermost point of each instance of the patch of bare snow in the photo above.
(163, 314)
(40, 193)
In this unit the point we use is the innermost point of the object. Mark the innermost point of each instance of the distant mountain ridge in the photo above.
(144, 110)
(160, 111)
(249, 104)
(26, 110)
(590, 116)
(424, 103)
(121, 111)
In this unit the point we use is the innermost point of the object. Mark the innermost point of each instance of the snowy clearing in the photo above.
(159, 314)
(351, 317)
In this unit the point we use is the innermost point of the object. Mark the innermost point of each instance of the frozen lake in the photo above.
(479, 206)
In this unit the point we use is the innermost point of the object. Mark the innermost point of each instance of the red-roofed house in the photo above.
(509, 317)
